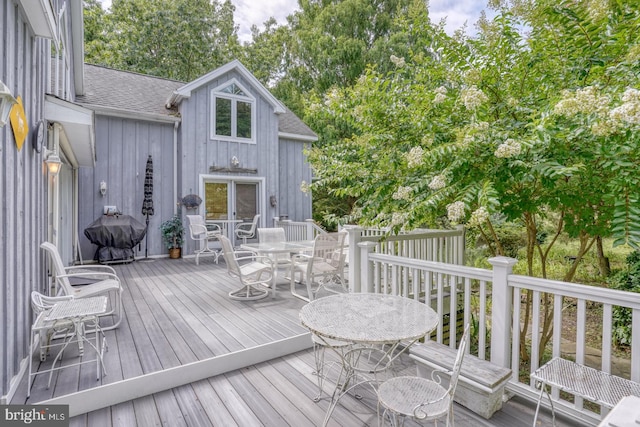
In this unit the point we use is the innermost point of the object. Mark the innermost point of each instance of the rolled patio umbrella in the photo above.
(147, 203)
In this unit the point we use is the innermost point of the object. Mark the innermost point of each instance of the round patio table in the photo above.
(374, 323)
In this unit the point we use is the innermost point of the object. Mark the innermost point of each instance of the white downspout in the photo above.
(175, 167)
(55, 199)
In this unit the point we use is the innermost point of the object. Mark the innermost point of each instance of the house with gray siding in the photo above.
(223, 137)
(41, 63)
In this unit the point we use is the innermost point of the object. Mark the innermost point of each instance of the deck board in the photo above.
(176, 313)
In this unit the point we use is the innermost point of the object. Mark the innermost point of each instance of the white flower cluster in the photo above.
(331, 97)
(478, 217)
(598, 9)
(415, 157)
(585, 100)
(509, 148)
(304, 187)
(398, 218)
(455, 211)
(441, 95)
(629, 111)
(398, 62)
(472, 97)
(438, 182)
(604, 128)
(402, 193)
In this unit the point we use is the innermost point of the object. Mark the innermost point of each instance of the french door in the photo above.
(231, 200)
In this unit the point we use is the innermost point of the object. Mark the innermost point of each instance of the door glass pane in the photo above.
(246, 201)
(223, 116)
(244, 119)
(215, 199)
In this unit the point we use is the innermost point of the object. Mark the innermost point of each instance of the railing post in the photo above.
(354, 236)
(460, 246)
(309, 231)
(501, 310)
(366, 268)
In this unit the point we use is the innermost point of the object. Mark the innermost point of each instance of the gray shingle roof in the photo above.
(128, 91)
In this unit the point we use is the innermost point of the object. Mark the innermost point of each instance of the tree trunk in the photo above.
(603, 261)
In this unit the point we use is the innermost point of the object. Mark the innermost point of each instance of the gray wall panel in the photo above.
(122, 149)
(23, 186)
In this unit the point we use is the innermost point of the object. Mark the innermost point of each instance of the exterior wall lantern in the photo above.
(103, 188)
(6, 102)
(52, 161)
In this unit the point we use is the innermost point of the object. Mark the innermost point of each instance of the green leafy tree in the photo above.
(498, 126)
(177, 39)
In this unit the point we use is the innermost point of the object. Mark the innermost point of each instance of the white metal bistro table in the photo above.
(373, 323)
(275, 248)
(83, 313)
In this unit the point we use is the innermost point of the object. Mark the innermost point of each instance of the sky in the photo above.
(456, 12)
(250, 12)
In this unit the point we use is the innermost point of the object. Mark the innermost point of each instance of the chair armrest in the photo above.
(301, 257)
(260, 258)
(108, 268)
(214, 227)
(95, 276)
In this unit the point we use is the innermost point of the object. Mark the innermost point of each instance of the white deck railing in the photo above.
(445, 246)
(296, 230)
(491, 300)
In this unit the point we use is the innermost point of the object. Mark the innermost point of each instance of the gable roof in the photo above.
(235, 65)
(128, 94)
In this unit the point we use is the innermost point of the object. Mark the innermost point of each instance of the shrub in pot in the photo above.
(173, 235)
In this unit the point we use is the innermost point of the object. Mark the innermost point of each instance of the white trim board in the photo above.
(155, 382)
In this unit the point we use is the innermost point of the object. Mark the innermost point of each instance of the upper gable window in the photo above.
(233, 112)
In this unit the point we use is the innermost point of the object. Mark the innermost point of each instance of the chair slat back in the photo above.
(274, 235)
(464, 341)
(197, 226)
(57, 268)
(233, 268)
(328, 248)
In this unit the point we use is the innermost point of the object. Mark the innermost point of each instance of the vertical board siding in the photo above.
(23, 185)
(122, 149)
(293, 170)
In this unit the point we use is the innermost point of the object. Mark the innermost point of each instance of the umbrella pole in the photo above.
(146, 243)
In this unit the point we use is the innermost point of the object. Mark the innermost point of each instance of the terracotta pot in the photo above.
(174, 253)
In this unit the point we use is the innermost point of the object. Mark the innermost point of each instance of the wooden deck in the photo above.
(177, 316)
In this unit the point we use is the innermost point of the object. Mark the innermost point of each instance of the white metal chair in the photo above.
(202, 233)
(323, 268)
(247, 230)
(254, 272)
(103, 281)
(421, 398)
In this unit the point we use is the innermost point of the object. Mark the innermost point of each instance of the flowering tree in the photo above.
(501, 125)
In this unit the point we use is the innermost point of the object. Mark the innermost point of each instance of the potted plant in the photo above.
(173, 235)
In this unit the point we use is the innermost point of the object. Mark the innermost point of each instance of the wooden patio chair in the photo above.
(102, 281)
(323, 269)
(247, 230)
(202, 233)
(421, 398)
(254, 272)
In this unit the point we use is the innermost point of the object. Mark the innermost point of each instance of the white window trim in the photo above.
(216, 93)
